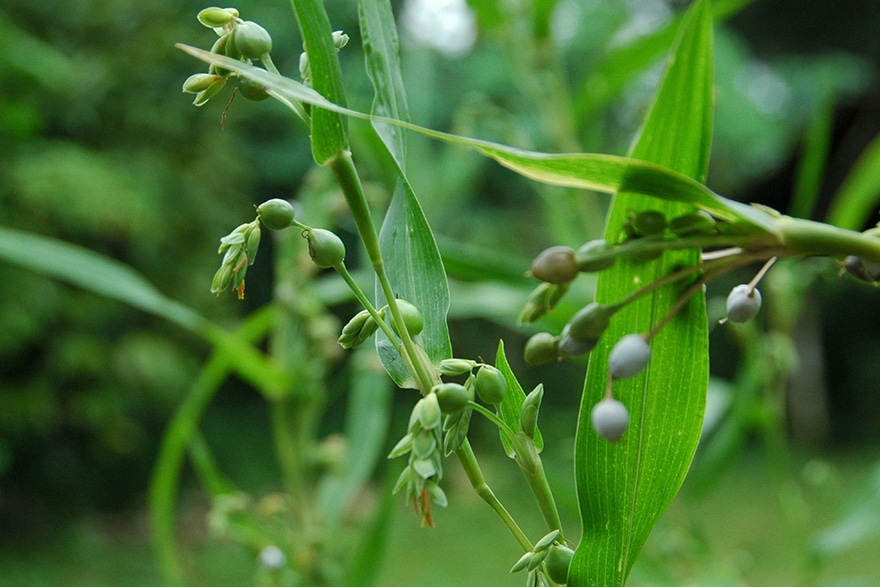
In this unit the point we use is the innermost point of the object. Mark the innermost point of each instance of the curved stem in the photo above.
(493, 417)
(471, 468)
(531, 466)
(806, 237)
(346, 174)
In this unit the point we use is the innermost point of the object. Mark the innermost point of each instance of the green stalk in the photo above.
(532, 468)
(805, 237)
(346, 174)
(471, 467)
(182, 429)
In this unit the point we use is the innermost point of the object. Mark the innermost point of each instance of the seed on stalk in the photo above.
(555, 265)
(610, 419)
(629, 356)
(743, 303)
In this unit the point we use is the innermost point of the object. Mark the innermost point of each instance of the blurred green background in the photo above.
(100, 148)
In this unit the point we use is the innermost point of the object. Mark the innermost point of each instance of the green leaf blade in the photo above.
(625, 487)
(511, 407)
(416, 273)
(328, 127)
(412, 259)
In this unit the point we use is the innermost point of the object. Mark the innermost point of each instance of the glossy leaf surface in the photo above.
(624, 487)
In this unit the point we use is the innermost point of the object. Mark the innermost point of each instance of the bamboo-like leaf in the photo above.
(624, 487)
(412, 259)
(511, 407)
(599, 172)
(328, 127)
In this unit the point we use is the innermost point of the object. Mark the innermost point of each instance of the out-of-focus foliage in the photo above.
(100, 148)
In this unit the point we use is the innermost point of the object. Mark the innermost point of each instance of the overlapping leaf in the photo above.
(412, 260)
(623, 488)
(604, 173)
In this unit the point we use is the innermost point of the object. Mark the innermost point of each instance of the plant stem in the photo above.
(805, 238)
(531, 466)
(471, 468)
(346, 174)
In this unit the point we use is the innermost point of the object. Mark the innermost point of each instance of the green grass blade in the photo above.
(599, 172)
(328, 127)
(110, 278)
(860, 192)
(412, 259)
(811, 167)
(624, 488)
(93, 272)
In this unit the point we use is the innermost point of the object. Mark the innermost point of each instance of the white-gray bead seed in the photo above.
(629, 356)
(743, 303)
(610, 419)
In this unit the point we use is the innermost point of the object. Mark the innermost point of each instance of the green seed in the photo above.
(490, 384)
(649, 222)
(555, 265)
(590, 321)
(252, 90)
(251, 40)
(412, 318)
(587, 253)
(557, 562)
(541, 348)
(325, 248)
(276, 214)
(452, 397)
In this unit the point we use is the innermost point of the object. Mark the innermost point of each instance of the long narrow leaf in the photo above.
(110, 278)
(328, 128)
(624, 487)
(412, 259)
(604, 173)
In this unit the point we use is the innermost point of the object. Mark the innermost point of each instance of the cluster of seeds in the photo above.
(644, 235)
(239, 248)
(438, 426)
(238, 39)
(550, 559)
(249, 42)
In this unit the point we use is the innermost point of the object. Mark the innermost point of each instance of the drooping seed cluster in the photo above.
(239, 248)
(550, 558)
(644, 235)
(439, 425)
(248, 42)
